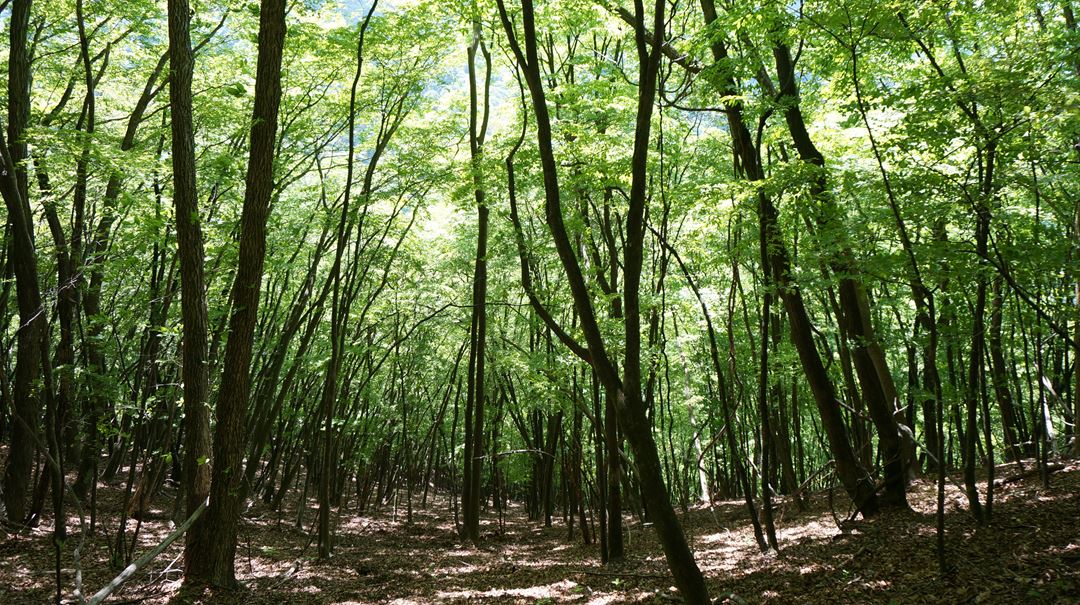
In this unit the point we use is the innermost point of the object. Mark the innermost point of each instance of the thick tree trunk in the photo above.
(230, 434)
(22, 256)
(195, 372)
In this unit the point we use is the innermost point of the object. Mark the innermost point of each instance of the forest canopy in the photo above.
(603, 259)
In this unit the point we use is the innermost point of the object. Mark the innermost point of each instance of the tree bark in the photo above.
(193, 311)
(230, 435)
(22, 256)
(475, 392)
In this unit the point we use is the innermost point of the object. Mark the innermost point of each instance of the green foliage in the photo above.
(935, 85)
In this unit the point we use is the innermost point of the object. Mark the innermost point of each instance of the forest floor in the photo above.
(1029, 554)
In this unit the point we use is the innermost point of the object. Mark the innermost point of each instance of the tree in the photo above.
(32, 344)
(189, 235)
(475, 394)
(629, 407)
(226, 489)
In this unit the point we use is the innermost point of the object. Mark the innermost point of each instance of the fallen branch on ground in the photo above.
(130, 570)
(621, 574)
(1050, 468)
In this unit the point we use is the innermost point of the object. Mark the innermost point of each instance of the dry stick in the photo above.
(168, 569)
(798, 492)
(130, 570)
(621, 574)
(1052, 468)
(298, 563)
(814, 475)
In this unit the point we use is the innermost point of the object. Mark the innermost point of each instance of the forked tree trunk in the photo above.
(855, 478)
(629, 405)
(878, 390)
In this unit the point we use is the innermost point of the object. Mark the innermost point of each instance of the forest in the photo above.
(540, 301)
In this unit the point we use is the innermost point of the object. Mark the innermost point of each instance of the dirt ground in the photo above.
(1029, 554)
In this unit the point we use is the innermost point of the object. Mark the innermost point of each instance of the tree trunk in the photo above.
(998, 376)
(765, 434)
(338, 309)
(1070, 22)
(230, 434)
(576, 461)
(853, 475)
(629, 406)
(475, 394)
(613, 474)
(547, 491)
(878, 389)
(22, 256)
(978, 339)
(193, 309)
(91, 300)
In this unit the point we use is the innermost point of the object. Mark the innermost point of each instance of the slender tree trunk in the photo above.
(999, 377)
(1070, 22)
(1076, 339)
(765, 434)
(696, 453)
(576, 461)
(338, 310)
(629, 405)
(601, 470)
(550, 451)
(475, 391)
(271, 393)
(727, 401)
(96, 252)
(613, 474)
(978, 340)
